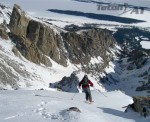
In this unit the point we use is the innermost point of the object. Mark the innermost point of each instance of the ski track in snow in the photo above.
(42, 110)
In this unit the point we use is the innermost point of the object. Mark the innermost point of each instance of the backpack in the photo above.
(85, 81)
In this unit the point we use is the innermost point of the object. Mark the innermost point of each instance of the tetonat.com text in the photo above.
(123, 8)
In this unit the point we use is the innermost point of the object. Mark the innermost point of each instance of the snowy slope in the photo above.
(49, 106)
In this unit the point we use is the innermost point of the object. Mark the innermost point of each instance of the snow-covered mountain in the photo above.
(63, 53)
(51, 45)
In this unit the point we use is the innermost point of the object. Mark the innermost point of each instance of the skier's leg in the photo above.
(86, 94)
(89, 94)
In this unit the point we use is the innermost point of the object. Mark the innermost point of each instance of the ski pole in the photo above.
(74, 95)
(100, 92)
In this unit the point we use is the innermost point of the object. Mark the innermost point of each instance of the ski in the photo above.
(89, 102)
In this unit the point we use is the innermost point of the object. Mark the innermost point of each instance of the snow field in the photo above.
(44, 106)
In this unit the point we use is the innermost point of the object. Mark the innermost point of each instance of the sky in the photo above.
(60, 4)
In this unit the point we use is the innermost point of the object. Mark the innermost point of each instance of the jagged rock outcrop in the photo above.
(18, 22)
(67, 84)
(35, 40)
(18, 26)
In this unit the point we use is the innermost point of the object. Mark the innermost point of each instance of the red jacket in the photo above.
(86, 86)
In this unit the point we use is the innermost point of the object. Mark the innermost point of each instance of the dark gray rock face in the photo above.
(67, 84)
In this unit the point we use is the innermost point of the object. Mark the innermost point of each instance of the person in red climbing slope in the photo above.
(86, 83)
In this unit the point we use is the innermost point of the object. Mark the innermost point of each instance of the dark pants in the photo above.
(88, 95)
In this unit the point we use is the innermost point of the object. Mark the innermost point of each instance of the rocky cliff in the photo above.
(37, 41)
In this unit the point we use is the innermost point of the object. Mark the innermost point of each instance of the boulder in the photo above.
(142, 105)
(74, 109)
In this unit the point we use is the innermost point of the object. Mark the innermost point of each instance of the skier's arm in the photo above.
(91, 84)
(80, 84)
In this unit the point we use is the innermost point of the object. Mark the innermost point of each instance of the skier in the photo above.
(85, 82)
